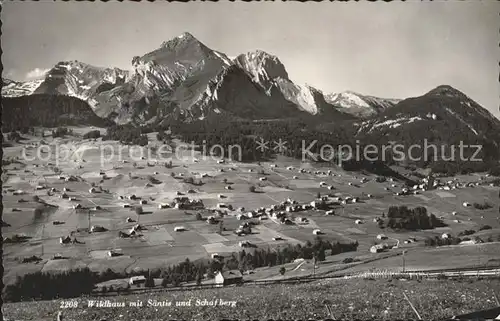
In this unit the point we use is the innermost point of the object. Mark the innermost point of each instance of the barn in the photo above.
(228, 278)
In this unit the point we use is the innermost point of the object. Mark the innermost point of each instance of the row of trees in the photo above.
(454, 240)
(126, 134)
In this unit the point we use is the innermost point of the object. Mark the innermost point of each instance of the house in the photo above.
(262, 179)
(64, 240)
(179, 229)
(381, 237)
(137, 280)
(97, 228)
(358, 222)
(228, 278)
(445, 236)
(317, 232)
(377, 248)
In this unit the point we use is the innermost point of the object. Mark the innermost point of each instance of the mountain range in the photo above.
(189, 80)
(185, 80)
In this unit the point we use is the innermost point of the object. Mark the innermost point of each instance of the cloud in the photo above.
(36, 73)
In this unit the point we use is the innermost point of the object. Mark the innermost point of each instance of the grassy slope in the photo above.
(362, 299)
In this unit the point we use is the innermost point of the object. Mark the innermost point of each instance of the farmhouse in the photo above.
(378, 248)
(64, 240)
(228, 278)
(137, 280)
(113, 253)
(445, 236)
(97, 228)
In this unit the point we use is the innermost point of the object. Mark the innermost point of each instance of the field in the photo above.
(348, 299)
(126, 174)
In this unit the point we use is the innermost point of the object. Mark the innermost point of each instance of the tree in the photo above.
(138, 210)
(150, 282)
(165, 282)
(221, 227)
(199, 217)
(252, 189)
(282, 270)
(321, 254)
(199, 278)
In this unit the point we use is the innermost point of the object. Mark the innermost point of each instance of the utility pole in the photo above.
(89, 220)
(43, 229)
(403, 256)
(314, 267)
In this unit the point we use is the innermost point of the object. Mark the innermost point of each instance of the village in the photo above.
(139, 215)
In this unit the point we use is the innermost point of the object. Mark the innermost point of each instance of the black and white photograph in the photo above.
(239, 160)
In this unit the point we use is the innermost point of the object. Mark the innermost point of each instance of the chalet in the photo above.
(65, 240)
(317, 232)
(137, 280)
(216, 256)
(113, 253)
(97, 228)
(228, 278)
(378, 248)
(244, 244)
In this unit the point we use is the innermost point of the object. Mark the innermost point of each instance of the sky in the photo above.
(391, 50)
